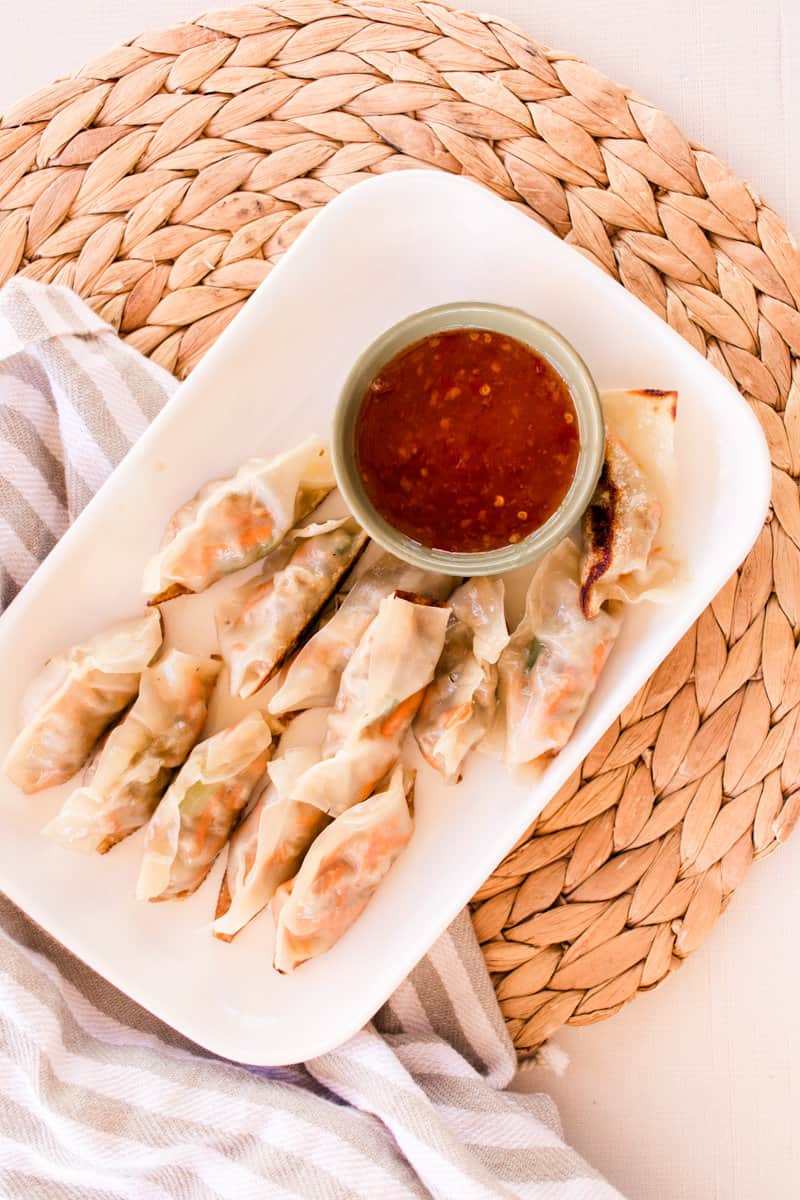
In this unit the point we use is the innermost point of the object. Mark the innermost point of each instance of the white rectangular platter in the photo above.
(376, 254)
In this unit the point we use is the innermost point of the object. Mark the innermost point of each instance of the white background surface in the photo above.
(693, 1092)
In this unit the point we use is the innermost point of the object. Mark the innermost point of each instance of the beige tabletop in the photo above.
(693, 1092)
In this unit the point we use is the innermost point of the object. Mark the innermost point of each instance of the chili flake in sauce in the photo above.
(467, 440)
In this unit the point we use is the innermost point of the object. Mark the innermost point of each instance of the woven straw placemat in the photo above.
(165, 180)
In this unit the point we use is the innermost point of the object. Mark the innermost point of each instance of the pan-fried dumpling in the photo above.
(269, 845)
(341, 873)
(379, 694)
(234, 522)
(260, 624)
(75, 698)
(140, 756)
(459, 705)
(201, 808)
(312, 679)
(629, 530)
(551, 665)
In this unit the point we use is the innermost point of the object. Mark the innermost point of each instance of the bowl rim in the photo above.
(540, 337)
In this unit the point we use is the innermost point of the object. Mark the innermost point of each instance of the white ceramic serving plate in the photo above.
(380, 251)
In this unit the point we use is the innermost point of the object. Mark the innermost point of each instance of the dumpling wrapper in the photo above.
(269, 845)
(630, 529)
(199, 811)
(234, 522)
(140, 756)
(553, 660)
(458, 707)
(379, 694)
(313, 677)
(75, 698)
(341, 872)
(262, 621)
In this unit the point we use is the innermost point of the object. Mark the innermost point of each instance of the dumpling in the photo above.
(629, 530)
(74, 700)
(232, 523)
(312, 679)
(260, 624)
(341, 873)
(269, 845)
(201, 808)
(551, 665)
(379, 694)
(459, 705)
(140, 756)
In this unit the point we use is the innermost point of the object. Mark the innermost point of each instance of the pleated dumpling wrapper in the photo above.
(140, 756)
(459, 705)
(341, 873)
(234, 522)
(261, 622)
(269, 845)
(312, 679)
(201, 808)
(75, 698)
(630, 530)
(379, 694)
(553, 660)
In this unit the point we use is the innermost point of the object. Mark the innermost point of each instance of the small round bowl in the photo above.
(498, 319)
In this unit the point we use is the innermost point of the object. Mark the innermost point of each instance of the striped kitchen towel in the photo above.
(100, 1100)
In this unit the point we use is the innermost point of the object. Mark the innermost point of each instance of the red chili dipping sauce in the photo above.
(467, 440)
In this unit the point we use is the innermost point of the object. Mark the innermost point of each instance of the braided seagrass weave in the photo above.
(165, 180)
